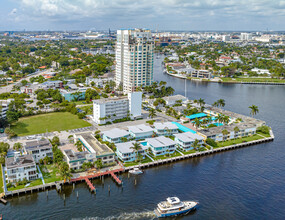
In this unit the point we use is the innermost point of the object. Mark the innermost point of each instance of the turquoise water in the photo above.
(144, 143)
(183, 128)
(198, 115)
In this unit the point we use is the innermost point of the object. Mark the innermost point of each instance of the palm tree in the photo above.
(236, 130)
(254, 110)
(215, 104)
(195, 144)
(220, 118)
(225, 133)
(17, 146)
(136, 147)
(196, 123)
(64, 171)
(201, 102)
(99, 164)
(152, 113)
(221, 103)
(79, 145)
(226, 119)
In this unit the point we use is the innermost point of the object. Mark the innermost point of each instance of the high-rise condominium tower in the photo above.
(134, 59)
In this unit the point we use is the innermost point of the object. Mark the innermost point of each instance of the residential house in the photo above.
(115, 135)
(166, 128)
(39, 149)
(185, 140)
(19, 168)
(141, 131)
(125, 152)
(161, 145)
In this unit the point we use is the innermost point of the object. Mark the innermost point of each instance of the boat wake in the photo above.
(147, 215)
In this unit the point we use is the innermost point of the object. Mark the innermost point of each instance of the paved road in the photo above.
(10, 87)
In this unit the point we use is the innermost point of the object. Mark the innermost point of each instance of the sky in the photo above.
(188, 15)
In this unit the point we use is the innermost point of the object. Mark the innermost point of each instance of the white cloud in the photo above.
(13, 12)
(169, 13)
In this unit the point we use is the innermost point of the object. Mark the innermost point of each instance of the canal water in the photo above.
(245, 183)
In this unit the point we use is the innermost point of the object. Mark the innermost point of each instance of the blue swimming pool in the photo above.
(144, 143)
(183, 128)
(198, 115)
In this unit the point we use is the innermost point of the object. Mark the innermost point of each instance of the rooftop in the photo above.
(175, 98)
(127, 147)
(75, 155)
(160, 141)
(116, 133)
(101, 101)
(37, 144)
(96, 146)
(188, 137)
(21, 161)
(165, 125)
(142, 128)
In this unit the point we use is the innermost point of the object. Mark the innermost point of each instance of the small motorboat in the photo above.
(135, 171)
(173, 207)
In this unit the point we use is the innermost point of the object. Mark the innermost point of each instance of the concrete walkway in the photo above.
(41, 175)
(149, 157)
(179, 152)
(4, 180)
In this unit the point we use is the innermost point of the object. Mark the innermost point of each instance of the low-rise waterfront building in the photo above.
(39, 149)
(110, 109)
(75, 160)
(19, 168)
(185, 140)
(172, 100)
(161, 145)
(93, 146)
(115, 135)
(126, 153)
(166, 128)
(216, 133)
(141, 131)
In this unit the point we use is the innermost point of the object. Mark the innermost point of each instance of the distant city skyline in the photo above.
(220, 15)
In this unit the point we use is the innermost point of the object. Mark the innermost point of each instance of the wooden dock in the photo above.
(92, 188)
(100, 174)
(116, 178)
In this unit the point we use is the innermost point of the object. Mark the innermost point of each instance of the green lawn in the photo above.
(57, 121)
(189, 152)
(252, 79)
(239, 140)
(129, 164)
(175, 154)
(32, 183)
(1, 181)
(50, 173)
(262, 134)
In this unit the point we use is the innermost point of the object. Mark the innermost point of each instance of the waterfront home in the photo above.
(19, 168)
(171, 100)
(216, 133)
(166, 128)
(115, 135)
(141, 131)
(39, 149)
(127, 154)
(76, 159)
(185, 140)
(161, 145)
(93, 146)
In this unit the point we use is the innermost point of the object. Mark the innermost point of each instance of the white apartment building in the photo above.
(246, 36)
(4, 106)
(110, 109)
(134, 59)
(20, 167)
(39, 149)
